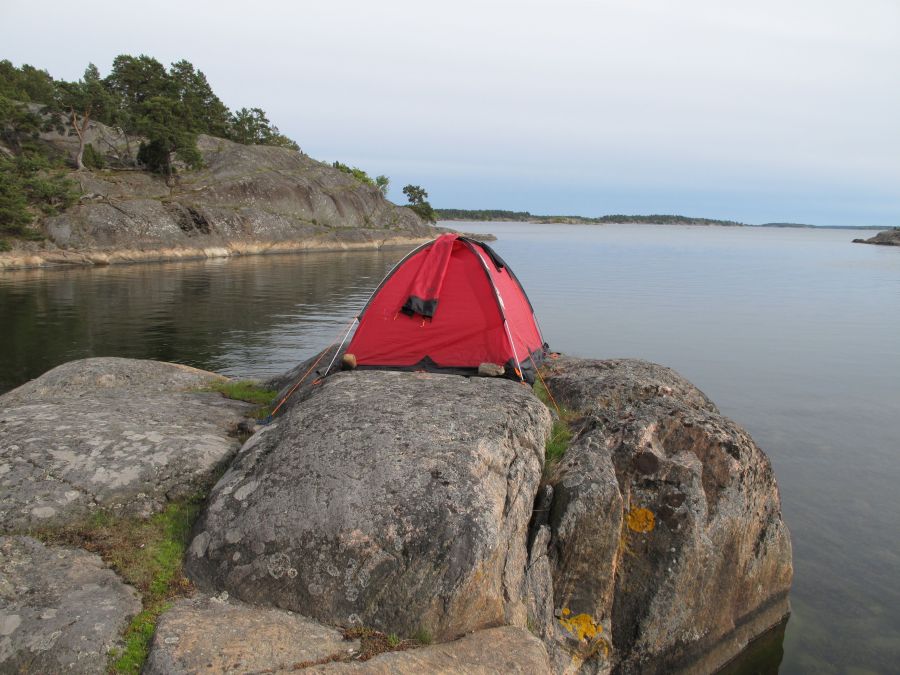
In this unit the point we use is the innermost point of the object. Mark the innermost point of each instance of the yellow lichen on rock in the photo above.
(582, 626)
(640, 520)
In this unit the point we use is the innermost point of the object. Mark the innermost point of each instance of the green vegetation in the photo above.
(418, 202)
(248, 391)
(168, 108)
(148, 555)
(381, 182)
(373, 642)
(525, 216)
(483, 214)
(354, 171)
(32, 179)
(561, 434)
(423, 636)
(252, 127)
(244, 390)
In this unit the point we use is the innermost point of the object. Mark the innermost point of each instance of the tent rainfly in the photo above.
(451, 305)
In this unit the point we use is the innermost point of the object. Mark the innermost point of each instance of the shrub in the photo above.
(356, 172)
(93, 159)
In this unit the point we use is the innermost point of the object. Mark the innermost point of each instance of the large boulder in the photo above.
(121, 434)
(399, 500)
(61, 609)
(666, 540)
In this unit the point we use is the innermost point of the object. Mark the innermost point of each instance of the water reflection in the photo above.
(250, 317)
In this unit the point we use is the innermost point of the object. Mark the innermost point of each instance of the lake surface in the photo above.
(794, 333)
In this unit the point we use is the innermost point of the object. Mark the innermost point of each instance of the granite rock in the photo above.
(398, 500)
(120, 434)
(61, 609)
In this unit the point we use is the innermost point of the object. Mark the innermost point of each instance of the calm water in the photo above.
(794, 333)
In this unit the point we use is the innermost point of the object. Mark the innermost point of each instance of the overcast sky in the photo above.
(755, 111)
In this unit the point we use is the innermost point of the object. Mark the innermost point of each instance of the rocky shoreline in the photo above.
(416, 507)
(356, 240)
(885, 238)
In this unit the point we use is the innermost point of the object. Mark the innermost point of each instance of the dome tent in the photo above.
(449, 306)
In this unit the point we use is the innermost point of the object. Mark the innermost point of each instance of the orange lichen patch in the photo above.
(640, 520)
(582, 626)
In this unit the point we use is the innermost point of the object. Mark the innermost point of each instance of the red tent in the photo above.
(450, 305)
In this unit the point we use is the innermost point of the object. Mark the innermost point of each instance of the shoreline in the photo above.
(59, 258)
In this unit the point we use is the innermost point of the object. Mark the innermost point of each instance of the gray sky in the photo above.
(757, 111)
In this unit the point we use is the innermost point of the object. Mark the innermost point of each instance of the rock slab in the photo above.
(61, 609)
(495, 651)
(212, 635)
(397, 500)
(113, 433)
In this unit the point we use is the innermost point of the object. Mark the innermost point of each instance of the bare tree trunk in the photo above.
(85, 119)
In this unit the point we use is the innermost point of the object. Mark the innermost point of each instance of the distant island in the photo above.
(526, 217)
(481, 215)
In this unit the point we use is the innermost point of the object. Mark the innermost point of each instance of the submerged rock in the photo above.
(61, 609)
(114, 433)
(666, 541)
(397, 500)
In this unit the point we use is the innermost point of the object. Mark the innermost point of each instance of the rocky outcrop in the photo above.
(665, 540)
(217, 635)
(411, 503)
(61, 609)
(119, 434)
(398, 500)
(246, 199)
(889, 237)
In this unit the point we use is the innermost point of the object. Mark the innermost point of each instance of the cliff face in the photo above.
(245, 199)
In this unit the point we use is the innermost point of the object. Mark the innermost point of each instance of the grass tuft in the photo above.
(558, 443)
(148, 555)
(561, 434)
(243, 390)
(423, 636)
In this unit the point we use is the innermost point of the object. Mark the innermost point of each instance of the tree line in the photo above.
(167, 108)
